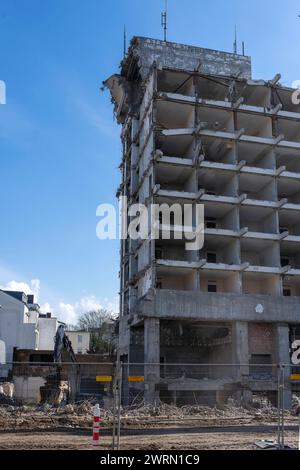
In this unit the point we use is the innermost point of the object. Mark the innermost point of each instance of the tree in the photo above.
(101, 324)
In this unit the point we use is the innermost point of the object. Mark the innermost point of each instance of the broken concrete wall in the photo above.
(145, 283)
(144, 255)
(261, 339)
(184, 57)
(27, 389)
(182, 342)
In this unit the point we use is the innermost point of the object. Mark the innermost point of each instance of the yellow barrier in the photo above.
(136, 378)
(103, 378)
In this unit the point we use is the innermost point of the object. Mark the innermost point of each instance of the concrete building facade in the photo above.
(80, 341)
(198, 129)
(22, 326)
(18, 328)
(47, 327)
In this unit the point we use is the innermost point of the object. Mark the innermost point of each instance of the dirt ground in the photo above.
(145, 428)
(215, 441)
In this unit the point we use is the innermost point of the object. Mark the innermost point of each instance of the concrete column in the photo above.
(240, 346)
(151, 356)
(283, 356)
(74, 380)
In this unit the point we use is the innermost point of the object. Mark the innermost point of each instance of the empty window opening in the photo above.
(211, 257)
(211, 222)
(211, 286)
(285, 261)
(287, 292)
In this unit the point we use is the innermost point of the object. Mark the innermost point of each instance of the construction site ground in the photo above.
(145, 428)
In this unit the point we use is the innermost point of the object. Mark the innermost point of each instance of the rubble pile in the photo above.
(79, 415)
(5, 400)
(7, 393)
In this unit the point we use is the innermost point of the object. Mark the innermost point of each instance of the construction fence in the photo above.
(152, 396)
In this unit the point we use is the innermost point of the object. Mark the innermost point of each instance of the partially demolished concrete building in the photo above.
(197, 129)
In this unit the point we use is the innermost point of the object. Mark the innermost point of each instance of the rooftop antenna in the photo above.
(235, 42)
(125, 40)
(164, 19)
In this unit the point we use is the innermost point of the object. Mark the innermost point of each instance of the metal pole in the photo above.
(282, 409)
(164, 20)
(278, 404)
(114, 410)
(117, 402)
(124, 42)
(119, 395)
(299, 433)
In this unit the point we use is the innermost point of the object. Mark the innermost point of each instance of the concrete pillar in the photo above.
(220, 397)
(283, 356)
(151, 356)
(74, 380)
(174, 398)
(125, 398)
(240, 346)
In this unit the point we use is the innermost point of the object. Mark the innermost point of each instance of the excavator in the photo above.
(57, 388)
(61, 344)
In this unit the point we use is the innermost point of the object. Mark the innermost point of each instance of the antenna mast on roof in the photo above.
(235, 42)
(164, 19)
(125, 40)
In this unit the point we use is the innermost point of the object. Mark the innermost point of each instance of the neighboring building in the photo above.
(80, 340)
(196, 128)
(18, 325)
(109, 327)
(22, 326)
(47, 327)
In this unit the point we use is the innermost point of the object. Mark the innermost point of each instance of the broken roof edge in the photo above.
(143, 51)
(117, 93)
(179, 45)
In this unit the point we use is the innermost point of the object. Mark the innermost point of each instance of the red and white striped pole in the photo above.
(96, 425)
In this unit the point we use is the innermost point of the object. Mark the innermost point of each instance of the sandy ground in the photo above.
(211, 441)
(164, 428)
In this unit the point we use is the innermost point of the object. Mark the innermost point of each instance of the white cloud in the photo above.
(46, 307)
(33, 287)
(88, 303)
(64, 311)
(113, 305)
(67, 313)
(296, 84)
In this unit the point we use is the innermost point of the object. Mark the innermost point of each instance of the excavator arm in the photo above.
(62, 343)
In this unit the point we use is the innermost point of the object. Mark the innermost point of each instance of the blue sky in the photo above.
(59, 144)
